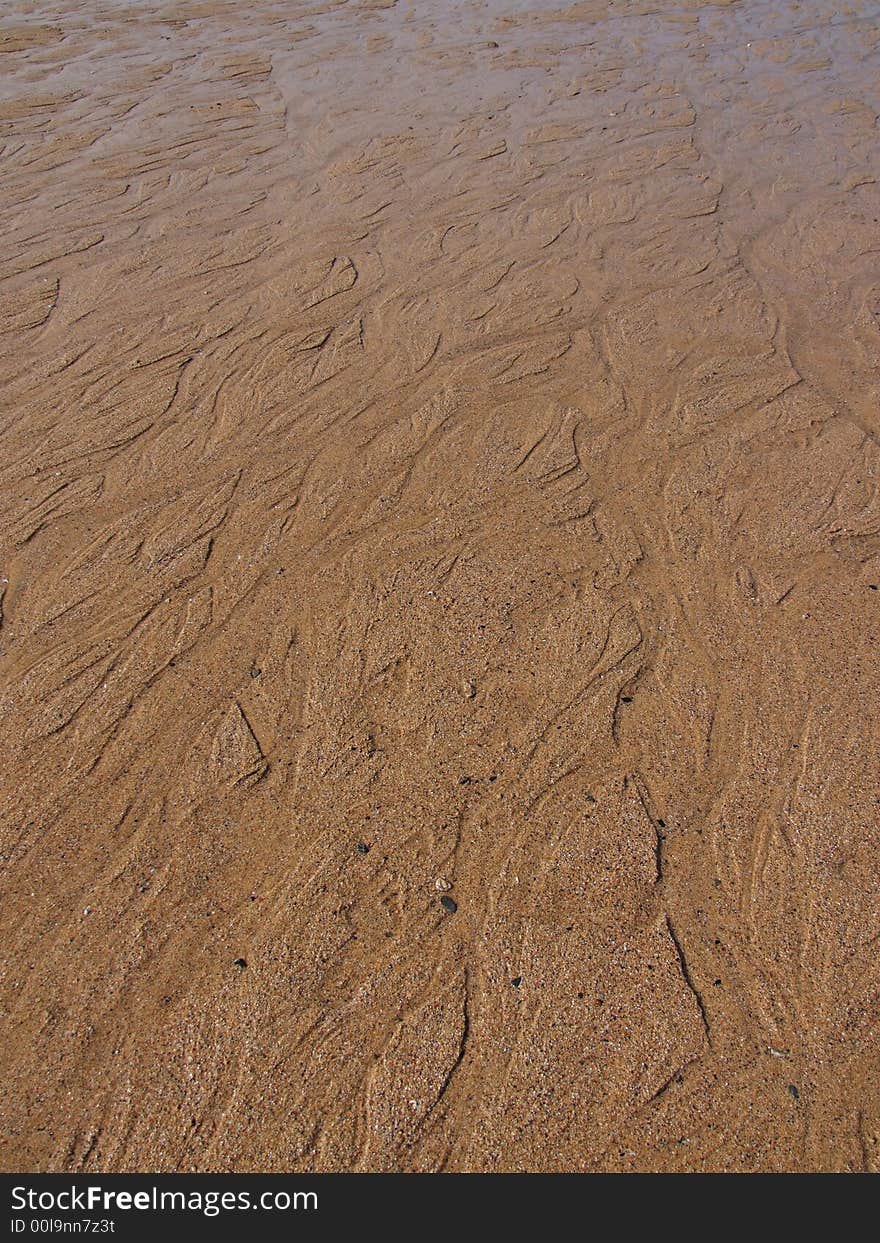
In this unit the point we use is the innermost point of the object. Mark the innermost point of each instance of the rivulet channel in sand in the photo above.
(440, 461)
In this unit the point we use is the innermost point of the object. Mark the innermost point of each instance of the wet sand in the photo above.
(440, 553)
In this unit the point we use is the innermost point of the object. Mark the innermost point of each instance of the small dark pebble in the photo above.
(795, 1093)
(516, 981)
(241, 963)
(491, 43)
(626, 699)
(363, 848)
(464, 781)
(449, 904)
(873, 586)
(590, 798)
(661, 824)
(255, 672)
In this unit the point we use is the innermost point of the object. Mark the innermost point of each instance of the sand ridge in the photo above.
(440, 460)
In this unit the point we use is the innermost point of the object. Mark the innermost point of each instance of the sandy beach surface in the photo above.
(440, 550)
